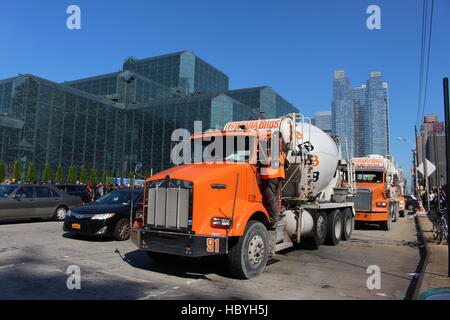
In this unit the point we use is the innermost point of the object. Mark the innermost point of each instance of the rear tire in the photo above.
(248, 257)
(348, 224)
(320, 230)
(334, 227)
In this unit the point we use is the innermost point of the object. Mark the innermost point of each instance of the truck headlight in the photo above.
(221, 222)
(381, 204)
(103, 216)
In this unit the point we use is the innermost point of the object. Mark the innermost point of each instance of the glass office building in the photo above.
(182, 71)
(342, 112)
(376, 119)
(112, 121)
(322, 120)
(121, 86)
(361, 114)
(264, 101)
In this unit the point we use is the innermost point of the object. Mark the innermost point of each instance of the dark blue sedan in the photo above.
(107, 216)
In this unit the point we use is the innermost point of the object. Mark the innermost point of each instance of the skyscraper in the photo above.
(342, 112)
(376, 116)
(361, 115)
(322, 120)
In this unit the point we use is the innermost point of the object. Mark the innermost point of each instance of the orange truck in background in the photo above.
(376, 199)
(206, 208)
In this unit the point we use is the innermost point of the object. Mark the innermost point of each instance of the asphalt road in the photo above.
(34, 257)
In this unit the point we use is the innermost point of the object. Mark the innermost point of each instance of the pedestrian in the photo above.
(99, 192)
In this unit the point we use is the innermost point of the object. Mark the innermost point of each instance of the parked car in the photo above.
(411, 202)
(81, 190)
(107, 216)
(35, 201)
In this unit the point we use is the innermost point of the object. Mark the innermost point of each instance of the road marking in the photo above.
(8, 266)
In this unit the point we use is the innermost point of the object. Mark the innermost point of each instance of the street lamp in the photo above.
(414, 151)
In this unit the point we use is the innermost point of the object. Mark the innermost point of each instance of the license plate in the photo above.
(76, 226)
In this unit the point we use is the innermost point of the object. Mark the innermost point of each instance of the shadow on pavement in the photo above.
(184, 267)
(82, 237)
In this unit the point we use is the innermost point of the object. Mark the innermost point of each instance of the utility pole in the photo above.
(447, 146)
(438, 171)
(425, 167)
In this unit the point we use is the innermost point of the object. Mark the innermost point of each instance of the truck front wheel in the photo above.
(248, 257)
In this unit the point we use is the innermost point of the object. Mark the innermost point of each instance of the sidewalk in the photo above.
(436, 272)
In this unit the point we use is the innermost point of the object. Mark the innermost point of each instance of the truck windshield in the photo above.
(222, 149)
(369, 177)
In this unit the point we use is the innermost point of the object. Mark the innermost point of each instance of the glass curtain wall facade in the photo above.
(182, 71)
(376, 120)
(361, 114)
(343, 113)
(264, 101)
(111, 122)
(322, 120)
(359, 103)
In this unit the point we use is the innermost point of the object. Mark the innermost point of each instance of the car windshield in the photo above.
(5, 191)
(118, 197)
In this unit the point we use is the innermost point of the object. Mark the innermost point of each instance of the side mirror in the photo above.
(16, 196)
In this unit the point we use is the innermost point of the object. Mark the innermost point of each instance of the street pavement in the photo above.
(35, 256)
(436, 272)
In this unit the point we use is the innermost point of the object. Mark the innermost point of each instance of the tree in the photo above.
(47, 173)
(17, 171)
(72, 176)
(83, 175)
(131, 176)
(59, 174)
(31, 173)
(147, 173)
(105, 177)
(93, 176)
(2, 171)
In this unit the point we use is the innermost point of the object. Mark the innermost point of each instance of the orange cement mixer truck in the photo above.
(214, 205)
(377, 198)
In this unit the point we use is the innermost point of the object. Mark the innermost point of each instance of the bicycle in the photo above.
(440, 227)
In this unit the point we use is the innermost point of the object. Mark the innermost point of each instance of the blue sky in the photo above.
(292, 46)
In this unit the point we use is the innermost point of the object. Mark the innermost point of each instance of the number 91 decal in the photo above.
(212, 245)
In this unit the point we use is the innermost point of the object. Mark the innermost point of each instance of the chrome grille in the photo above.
(363, 199)
(169, 205)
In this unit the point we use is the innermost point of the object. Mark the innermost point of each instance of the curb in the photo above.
(414, 287)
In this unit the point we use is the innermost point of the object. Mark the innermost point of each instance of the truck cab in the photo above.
(375, 200)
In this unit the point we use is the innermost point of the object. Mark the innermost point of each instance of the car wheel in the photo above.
(60, 213)
(122, 230)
